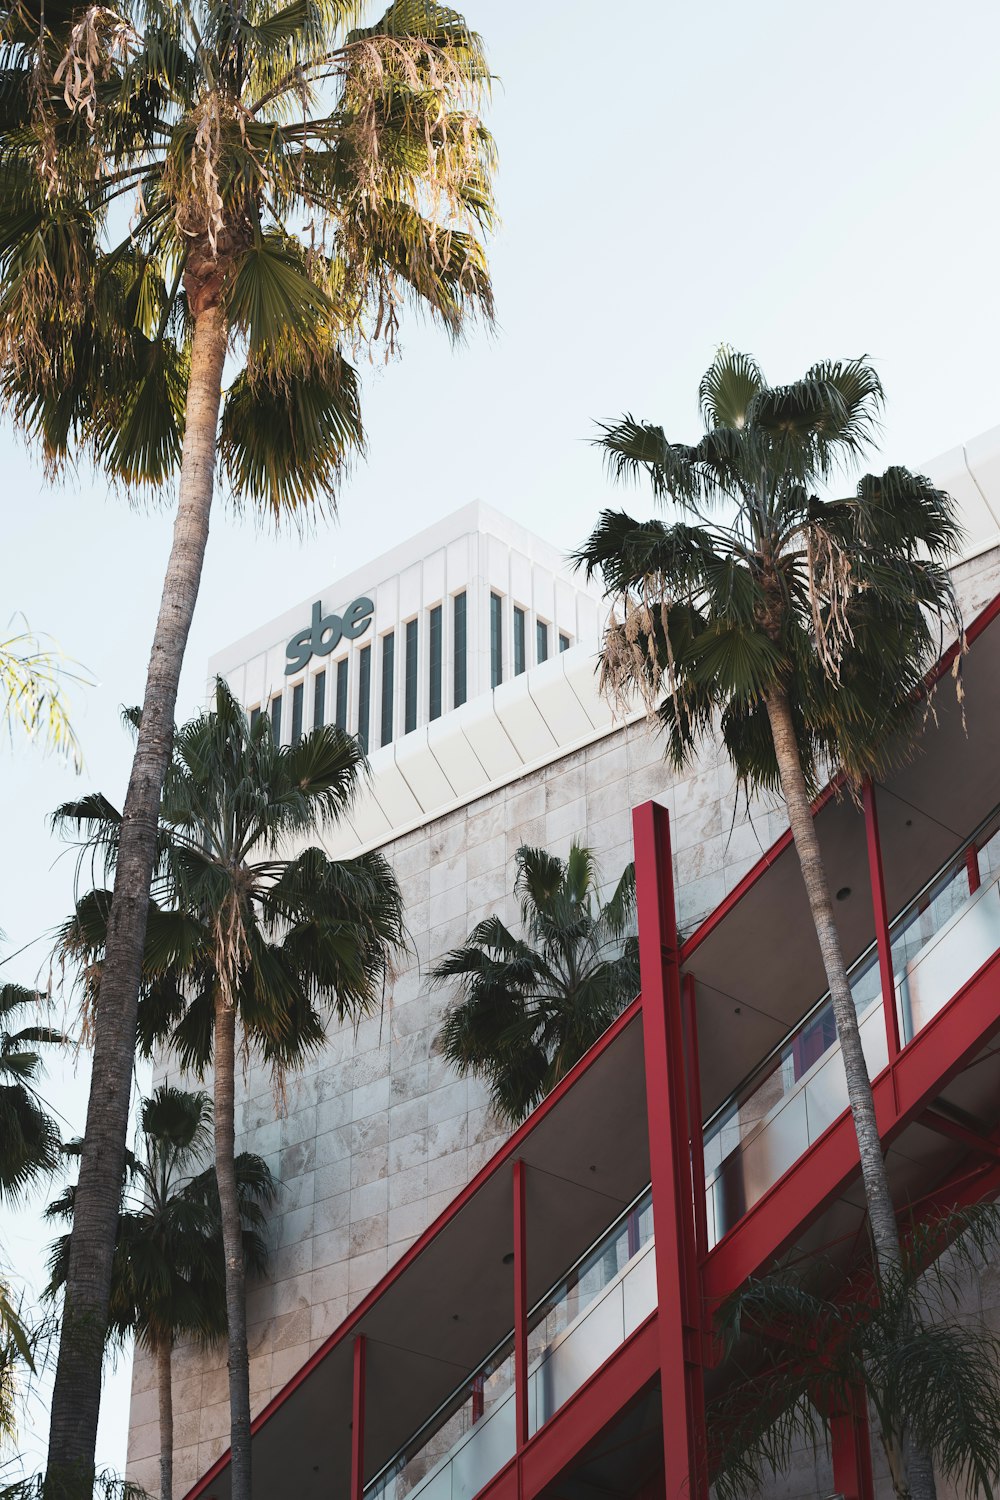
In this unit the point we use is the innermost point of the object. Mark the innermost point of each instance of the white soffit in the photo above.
(522, 726)
(423, 772)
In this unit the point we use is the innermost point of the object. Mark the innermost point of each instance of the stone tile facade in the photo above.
(377, 1135)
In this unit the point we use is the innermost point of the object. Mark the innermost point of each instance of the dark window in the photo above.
(341, 711)
(254, 716)
(276, 718)
(434, 696)
(496, 640)
(298, 693)
(364, 695)
(518, 641)
(541, 640)
(388, 669)
(319, 700)
(564, 643)
(410, 686)
(461, 640)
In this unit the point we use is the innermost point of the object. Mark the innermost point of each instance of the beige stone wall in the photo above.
(378, 1135)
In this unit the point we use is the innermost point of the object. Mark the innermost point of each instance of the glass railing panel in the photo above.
(472, 1435)
(940, 939)
(597, 1270)
(949, 958)
(592, 1338)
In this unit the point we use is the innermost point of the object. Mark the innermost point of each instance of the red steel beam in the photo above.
(677, 1272)
(851, 1449)
(696, 1118)
(961, 1133)
(902, 1091)
(882, 938)
(358, 1419)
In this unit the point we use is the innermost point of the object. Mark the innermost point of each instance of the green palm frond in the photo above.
(29, 1136)
(728, 388)
(33, 678)
(286, 442)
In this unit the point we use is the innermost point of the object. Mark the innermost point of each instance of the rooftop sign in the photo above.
(326, 631)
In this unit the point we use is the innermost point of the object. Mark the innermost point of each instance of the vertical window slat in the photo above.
(388, 673)
(410, 682)
(461, 649)
(364, 695)
(436, 655)
(496, 640)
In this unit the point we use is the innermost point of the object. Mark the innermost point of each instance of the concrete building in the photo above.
(486, 731)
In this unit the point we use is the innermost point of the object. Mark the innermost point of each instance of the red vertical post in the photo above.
(877, 880)
(678, 1277)
(972, 865)
(851, 1449)
(696, 1119)
(520, 1309)
(358, 1420)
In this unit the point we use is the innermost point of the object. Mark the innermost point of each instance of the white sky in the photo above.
(800, 180)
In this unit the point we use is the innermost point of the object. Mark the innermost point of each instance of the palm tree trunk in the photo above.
(76, 1393)
(166, 1397)
(881, 1214)
(232, 1240)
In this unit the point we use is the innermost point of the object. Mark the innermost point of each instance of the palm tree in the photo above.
(185, 183)
(29, 1137)
(242, 937)
(798, 628)
(795, 1345)
(169, 1270)
(532, 1005)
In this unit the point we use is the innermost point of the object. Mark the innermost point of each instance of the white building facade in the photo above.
(465, 659)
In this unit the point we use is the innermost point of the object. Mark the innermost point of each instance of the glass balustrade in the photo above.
(571, 1332)
(937, 943)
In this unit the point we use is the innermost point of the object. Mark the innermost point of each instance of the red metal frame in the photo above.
(678, 1287)
(882, 938)
(696, 1118)
(972, 866)
(851, 1449)
(520, 1308)
(358, 1418)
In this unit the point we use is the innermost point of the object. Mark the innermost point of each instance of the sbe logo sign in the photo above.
(326, 631)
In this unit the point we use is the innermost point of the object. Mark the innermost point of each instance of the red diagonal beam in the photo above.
(961, 1133)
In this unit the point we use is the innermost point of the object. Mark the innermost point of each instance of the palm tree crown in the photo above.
(163, 158)
(278, 938)
(532, 1005)
(759, 583)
